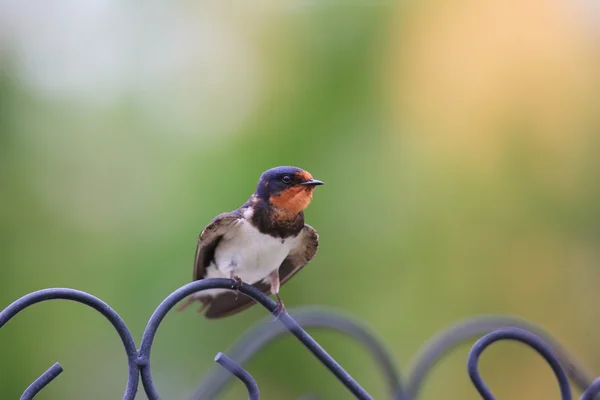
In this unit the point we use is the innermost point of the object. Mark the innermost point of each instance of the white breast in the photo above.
(251, 255)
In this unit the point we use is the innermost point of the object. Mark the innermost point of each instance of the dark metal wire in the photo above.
(592, 391)
(265, 332)
(42, 381)
(522, 336)
(98, 305)
(240, 373)
(494, 329)
(262, 299)
(467, 330)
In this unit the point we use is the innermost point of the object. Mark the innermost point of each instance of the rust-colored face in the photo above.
(297, 196)
(293, 199)
(304, 176)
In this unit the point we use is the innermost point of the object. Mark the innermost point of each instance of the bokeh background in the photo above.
(458, 141)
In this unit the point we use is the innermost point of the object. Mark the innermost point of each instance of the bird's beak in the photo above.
(312, 182)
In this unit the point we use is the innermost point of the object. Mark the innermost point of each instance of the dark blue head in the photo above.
(286, 187)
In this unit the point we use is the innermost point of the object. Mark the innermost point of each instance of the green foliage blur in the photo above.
(458, 142)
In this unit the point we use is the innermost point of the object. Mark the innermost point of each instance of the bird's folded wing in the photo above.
(209, 238)
(300, 255)
(228, 303)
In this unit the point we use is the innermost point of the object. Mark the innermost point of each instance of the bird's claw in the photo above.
(237, 285)
(237, 282)
(279, 310)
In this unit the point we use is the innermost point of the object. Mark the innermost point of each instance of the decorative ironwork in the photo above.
(524, 337)
(488, 329)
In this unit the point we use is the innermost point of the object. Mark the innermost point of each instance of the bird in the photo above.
(263, 243)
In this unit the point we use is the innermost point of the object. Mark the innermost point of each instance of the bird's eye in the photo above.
(286, 179)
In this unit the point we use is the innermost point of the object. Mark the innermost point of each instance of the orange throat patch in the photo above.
(293, 200)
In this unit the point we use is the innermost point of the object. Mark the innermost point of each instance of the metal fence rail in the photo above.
(489, 329)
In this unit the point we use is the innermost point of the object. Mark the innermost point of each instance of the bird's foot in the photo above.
(237, 285)
(280, 309)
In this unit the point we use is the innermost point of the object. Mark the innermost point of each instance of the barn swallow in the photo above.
(263, 243)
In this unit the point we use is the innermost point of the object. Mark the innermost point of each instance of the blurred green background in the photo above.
(458, 140)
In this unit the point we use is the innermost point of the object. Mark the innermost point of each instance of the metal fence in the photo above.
(487, 330)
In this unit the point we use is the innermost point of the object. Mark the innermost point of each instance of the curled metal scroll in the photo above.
(522, 336)
(139, 361)
(89, 300)
(240, 373)
(264, 333)
(42, 381)
(592, 392)
(472, 328)
(494, 329)
(262, 299)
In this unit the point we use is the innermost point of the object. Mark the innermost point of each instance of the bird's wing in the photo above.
(300, 255)
(209, 238)
(228, 303)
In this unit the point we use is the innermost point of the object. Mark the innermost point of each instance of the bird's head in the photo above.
(287, 188)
